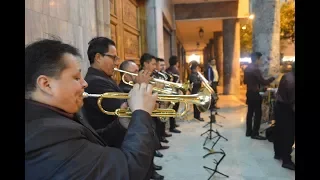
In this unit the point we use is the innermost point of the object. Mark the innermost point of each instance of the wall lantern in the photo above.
(201, 33)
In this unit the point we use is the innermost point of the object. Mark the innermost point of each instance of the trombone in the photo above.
(183, 87)
(202, 100)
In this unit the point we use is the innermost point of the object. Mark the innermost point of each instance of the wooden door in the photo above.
(126, 29)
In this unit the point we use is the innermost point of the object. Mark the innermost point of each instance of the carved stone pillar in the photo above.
(218, 50)
(211, 48)
(103, 18)
(266, 34)
(154, 28)
(231, 56)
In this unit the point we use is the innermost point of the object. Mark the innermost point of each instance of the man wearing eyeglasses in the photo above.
(103, 58)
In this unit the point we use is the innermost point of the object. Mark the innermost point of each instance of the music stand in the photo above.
(213, 119)
(215, 170)
(210, 130)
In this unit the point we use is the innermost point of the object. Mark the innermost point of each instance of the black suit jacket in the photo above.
(59, 147)
(99, 83)
(194, 78)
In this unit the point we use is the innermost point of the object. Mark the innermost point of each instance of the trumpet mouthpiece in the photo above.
(85, 95)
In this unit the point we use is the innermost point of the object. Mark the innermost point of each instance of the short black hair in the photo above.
(146, 57)
(255, 56)
(124, 65)
(44, 57)
(194, 65)
(173, 60)
(98, 45)
(159, 59)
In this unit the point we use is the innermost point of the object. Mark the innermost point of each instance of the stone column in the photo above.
(103, 18)
(173, 43)
(218, 50)
(231, 56)
(266, 34)
(205, 57)
(212, 48)
(154, 28)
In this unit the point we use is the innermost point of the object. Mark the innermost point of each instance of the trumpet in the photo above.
(155, 89)
(183, 87)
(202, 100)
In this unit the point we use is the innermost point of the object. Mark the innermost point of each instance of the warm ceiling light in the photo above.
(201, 33)
(244, 27)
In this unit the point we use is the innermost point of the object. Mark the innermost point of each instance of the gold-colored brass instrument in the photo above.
(183, 87)
(206, 84)
(155, 89)
(202, 100)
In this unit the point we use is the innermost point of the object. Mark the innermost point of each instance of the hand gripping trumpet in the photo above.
(202, 100)
(183, 87)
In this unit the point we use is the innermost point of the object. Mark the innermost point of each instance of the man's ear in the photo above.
(43, 82)
(98, 57)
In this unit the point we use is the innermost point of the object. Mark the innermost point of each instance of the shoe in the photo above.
(164, 140)
(167, 134)
(163, 147)
(158, 154)
(156, 167)
(177, 125)
(156, 176)
(248, 134)
(175, 130)
(289, 165)
(200, 119)
(258, 137)
(277, 157)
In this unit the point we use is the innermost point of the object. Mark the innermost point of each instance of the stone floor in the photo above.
(246, 159)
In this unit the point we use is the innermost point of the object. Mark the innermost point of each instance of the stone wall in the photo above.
(73, 21)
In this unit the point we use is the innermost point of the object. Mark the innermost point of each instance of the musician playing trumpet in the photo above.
(129, 66)
(196, 81)
(102, 55)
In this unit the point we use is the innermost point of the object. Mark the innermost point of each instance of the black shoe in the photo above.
(199, 119)
(177, 125)
(156, 167)
(158, 154)
(258, 137)
(163, 147)
(248, 134)
(277, 157)
(164, 140)
(156, 176)
(175, 130)
(289, 165)
(167, 134)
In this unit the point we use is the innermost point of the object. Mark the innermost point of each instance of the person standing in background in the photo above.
(212, 75)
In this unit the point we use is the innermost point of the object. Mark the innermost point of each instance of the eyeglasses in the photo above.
(114, 57)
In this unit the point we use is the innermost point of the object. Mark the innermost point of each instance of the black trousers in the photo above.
(254, 101)
(159, 127)
(284, 131)
(196, 112)
(214, 87)
(172, 120)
